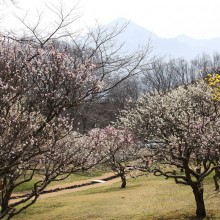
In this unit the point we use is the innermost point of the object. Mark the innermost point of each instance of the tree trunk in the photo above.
(200, 205)
(215, 178)
(6, 195)
(1, 191)
(4, 208)
(123, 180)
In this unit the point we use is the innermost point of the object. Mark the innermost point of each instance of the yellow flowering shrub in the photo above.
(214, 83)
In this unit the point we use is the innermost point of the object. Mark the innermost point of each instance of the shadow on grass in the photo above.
(210, 216)
(114, 188)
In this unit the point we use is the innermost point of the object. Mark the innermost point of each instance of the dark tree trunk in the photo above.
(4, 208)
(123, 180)
(5, 198)
(215, 178)
(200, 205)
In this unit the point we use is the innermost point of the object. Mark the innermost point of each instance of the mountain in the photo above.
(180, 46)
(208, 46)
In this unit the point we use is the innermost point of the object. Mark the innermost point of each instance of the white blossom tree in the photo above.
(181, 131)
(37, 88)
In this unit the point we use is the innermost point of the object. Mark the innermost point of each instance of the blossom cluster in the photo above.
(182, 125)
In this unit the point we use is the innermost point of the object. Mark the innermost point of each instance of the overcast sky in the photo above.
(166, 18)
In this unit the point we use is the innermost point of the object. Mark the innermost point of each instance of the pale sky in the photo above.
(166, 18)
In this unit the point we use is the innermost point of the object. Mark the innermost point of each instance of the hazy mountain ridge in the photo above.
(180, 46)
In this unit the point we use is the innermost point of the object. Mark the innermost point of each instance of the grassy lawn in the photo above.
(144, 198)
(78, 176)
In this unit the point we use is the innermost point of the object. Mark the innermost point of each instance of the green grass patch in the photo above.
(25, 186)
(77, 176)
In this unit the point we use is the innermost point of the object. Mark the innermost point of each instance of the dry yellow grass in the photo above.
(145, 198)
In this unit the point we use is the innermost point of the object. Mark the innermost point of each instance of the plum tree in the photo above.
(181, 131)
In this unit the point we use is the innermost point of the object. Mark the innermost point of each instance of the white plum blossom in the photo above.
(181, 129)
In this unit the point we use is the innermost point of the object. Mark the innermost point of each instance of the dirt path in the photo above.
(109, 182)
(65, 191)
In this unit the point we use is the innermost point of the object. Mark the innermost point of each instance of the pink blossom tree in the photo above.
(180, 131)
(120, 151)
